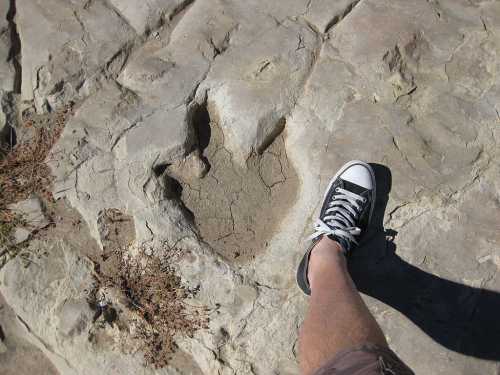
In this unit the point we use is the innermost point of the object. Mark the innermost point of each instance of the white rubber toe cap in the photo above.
(358, 174)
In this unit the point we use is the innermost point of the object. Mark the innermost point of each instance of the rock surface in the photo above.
(17, 355)
(8, 74)
(6, 68)
(33, 218)
(216, 125)
(147, 15)
(66, 51)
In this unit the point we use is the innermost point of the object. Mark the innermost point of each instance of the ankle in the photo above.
(325, 257)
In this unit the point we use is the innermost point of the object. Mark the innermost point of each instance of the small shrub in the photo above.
(24, 172)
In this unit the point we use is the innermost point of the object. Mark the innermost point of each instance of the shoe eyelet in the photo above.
(364, 200)
(336, 189)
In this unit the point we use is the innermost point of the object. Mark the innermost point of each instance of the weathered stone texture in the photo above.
(64, 51)
(178, 102)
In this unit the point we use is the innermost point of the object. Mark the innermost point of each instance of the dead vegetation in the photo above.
(148, 287)
(24, 172)
(8, 222)
(156, 294)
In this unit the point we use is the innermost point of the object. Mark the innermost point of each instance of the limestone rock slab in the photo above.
(4, 10)
(323, 14)
(17, 354)
(109, 149)
(146, 15)
(161, 137)
(254, 85)
(7, 72)
(166, 71)
(56, 65)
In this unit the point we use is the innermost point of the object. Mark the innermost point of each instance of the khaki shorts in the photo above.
(365, 360)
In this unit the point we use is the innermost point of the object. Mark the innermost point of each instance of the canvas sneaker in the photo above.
(345, 214)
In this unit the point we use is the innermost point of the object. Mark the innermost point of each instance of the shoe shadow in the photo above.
(461, 318)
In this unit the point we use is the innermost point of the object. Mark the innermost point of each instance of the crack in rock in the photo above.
(339, 17)
(15, 47)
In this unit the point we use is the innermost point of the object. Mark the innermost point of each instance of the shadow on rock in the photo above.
(459, 317)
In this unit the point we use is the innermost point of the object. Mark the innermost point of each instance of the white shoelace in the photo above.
(340, 218)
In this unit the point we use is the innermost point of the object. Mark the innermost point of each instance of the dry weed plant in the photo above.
(148, 287)
(160, 303)
(24, 173)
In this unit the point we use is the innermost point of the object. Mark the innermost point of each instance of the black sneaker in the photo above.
(346, 213)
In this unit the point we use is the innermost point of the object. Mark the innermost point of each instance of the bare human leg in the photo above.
(337, 319)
